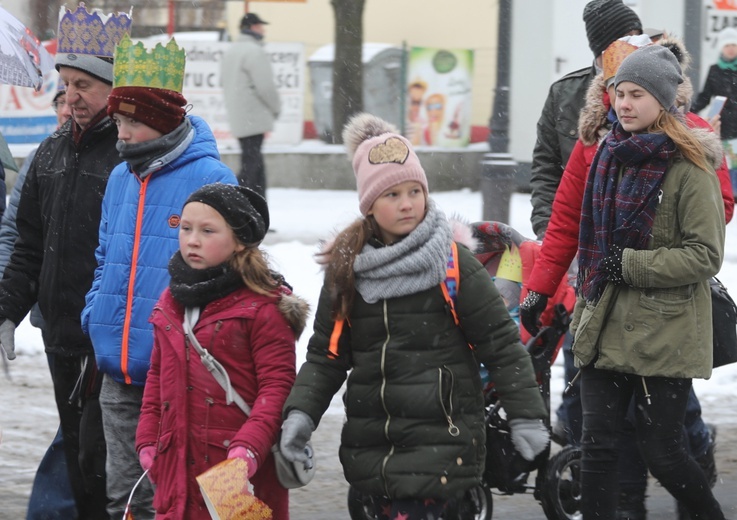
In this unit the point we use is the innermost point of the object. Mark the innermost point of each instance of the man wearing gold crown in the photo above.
(54, 257)
(167, 155)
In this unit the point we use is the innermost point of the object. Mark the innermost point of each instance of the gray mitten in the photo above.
(529, 436)
(7, 338)
(295, 432)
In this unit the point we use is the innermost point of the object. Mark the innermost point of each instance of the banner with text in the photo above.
(26, 116)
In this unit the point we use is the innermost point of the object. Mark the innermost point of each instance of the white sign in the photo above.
(203, 89)
(717, 15)
(26, 116)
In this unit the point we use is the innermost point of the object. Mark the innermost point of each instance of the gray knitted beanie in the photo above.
(607, 20)
(655, 69)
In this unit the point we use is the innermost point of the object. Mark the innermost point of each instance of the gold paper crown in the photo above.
(136, 66)
(82, 32)
(614, 55)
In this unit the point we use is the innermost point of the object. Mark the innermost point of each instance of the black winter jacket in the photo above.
(414, 380)
(58, 222)
(557, 132)
(721, 82)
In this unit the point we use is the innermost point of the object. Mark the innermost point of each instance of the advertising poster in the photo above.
(439, 97)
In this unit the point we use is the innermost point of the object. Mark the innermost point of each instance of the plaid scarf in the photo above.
(620, 211)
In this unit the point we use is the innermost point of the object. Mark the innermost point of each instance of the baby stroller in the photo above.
(509, 257)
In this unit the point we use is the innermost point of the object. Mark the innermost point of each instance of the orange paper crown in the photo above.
(613, 57)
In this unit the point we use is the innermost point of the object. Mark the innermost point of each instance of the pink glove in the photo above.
(146, 457)
(239, 452)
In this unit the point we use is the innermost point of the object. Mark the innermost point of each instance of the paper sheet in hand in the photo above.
(226, 493)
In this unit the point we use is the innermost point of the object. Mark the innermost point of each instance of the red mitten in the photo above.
(239, 452)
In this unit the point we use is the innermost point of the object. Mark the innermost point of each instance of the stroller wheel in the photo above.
(476, 504)
(561, 491)
(360, 506)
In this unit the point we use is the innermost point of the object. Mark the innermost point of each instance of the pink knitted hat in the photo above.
(382, 158)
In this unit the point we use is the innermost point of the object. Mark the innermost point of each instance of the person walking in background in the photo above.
(652, 233)
(51, 494)
(557, 133)
(53, 260)
(561, 243)
(167, 156)
(251, 99)
(382, 315)
(223, 296)
(722, 81)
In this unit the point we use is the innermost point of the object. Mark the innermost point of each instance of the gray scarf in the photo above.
(147, 157)
(414, 264)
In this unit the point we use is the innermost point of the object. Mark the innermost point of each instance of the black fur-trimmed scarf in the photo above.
(198, 287)
(620, 211)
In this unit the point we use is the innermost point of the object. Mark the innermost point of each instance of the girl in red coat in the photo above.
(248, 320)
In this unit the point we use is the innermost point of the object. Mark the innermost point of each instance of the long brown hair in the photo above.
(339, 276)
(687, 143)
(251, 263)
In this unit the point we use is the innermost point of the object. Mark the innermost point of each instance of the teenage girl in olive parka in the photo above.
(414, 435)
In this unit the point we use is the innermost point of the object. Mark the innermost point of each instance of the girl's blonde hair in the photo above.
(252, 264)
(674, 126)
(339, 275)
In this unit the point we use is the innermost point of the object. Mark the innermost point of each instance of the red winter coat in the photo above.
(560, 244)
(184, 413)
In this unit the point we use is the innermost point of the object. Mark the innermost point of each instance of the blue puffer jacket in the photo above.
(139, 233)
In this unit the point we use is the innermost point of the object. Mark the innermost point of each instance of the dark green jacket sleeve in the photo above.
(495, 338)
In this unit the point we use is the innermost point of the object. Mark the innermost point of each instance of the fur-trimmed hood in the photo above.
(592, 121)
(295, 310)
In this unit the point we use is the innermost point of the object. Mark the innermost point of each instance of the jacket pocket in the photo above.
(662, 322)
(590, 324)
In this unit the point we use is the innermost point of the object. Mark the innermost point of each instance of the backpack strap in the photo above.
(452, 282)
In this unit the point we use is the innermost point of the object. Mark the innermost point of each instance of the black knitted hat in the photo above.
(606, 21)
(243, 209)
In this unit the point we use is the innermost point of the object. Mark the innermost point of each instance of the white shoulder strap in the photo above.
(191, 315)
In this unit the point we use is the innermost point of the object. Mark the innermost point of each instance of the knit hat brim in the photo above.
(161, 109)
(100, 68)
(244, 210)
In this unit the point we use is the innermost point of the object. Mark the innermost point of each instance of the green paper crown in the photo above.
(136, 66)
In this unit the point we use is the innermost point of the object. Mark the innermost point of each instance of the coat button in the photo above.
(571, 133)
(629, 327)
(459, 461)
(226, 442)
(443, 480)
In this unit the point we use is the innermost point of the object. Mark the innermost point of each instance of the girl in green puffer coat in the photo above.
(414, 434)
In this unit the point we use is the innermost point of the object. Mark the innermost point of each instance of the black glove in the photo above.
(612, 266)
(530, 310)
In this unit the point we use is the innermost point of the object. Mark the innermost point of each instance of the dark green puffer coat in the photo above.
(414, 406)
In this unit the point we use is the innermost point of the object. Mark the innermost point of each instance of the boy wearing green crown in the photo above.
(167, 155)
(54, 257)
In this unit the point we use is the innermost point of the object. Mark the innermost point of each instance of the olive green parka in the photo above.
(659, 323)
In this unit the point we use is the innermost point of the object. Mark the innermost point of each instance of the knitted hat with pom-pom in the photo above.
(381, 157)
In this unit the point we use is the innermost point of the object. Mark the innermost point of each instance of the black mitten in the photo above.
(612, 266)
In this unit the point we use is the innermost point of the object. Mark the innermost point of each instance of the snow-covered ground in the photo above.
(301, 218)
